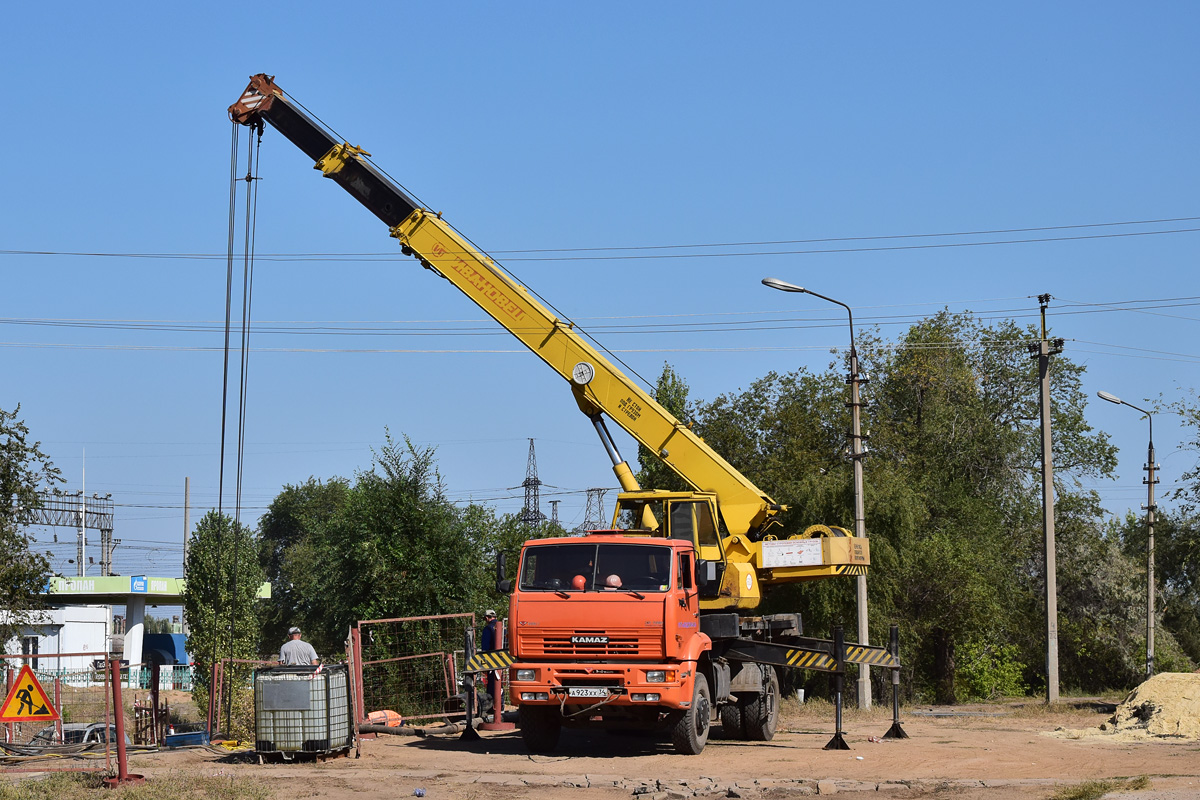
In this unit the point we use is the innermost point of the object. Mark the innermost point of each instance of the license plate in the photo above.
(587, 691)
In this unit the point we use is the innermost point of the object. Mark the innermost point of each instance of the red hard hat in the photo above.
(579, 582)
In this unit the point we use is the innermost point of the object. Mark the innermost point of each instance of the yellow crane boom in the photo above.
(741, 512)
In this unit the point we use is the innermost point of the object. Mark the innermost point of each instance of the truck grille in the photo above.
(632, 644)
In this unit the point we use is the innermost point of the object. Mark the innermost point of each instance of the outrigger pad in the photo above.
(836, 743)
(895, 732)
(469, 734)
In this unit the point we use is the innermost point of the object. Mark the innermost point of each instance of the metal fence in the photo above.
(174, 677)
(409, 665)
(78, 740)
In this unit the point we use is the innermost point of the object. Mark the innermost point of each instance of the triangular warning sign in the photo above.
(27, 701)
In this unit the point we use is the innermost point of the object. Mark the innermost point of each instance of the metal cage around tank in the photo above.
(303, 710)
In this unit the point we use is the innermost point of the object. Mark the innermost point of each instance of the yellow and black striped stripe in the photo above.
(809, 659)
(492, 659)
(857, 654)
(850, 569)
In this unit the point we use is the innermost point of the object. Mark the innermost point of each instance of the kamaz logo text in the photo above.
(589, 640)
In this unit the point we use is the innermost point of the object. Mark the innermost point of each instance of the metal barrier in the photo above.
(79, 740)
(409, 665)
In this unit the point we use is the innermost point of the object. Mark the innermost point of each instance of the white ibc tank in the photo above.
(299, 710)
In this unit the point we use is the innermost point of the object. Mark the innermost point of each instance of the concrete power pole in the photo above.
(187, 530)
(1042, 350)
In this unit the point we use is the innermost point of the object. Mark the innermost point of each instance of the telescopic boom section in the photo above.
(597, 384)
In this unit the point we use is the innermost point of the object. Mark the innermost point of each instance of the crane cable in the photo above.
(249, 232)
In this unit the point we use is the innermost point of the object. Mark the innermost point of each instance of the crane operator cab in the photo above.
(679, 515)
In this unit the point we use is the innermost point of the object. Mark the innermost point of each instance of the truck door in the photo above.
(692, 520)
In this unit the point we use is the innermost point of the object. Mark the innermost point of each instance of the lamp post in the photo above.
(1150, 479)
(856, 450)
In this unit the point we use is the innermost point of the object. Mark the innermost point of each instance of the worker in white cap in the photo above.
(296, 652)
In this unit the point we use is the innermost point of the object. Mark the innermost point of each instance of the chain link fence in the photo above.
(410, 665)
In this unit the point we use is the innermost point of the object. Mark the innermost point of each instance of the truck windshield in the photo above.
(580, 567)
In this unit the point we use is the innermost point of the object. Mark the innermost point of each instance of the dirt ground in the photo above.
(1017, 750)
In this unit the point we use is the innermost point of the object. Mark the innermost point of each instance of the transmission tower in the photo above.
(79, 512)
(593, 517)
(554, 513)
(532, 514)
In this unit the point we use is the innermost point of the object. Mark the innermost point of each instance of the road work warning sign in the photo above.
(27, 701)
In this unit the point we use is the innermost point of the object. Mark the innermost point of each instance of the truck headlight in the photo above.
(656, 676)
(526, 674)
(535, 696)
(650, 697)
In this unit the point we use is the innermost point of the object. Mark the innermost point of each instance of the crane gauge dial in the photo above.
(583, 373)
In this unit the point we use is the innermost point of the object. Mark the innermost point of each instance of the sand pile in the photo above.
(1166, 705)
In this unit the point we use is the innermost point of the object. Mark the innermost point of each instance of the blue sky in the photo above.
(558, 125)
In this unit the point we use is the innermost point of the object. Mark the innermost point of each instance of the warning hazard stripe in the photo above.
(809, 659)
(856, 654)
(493, 659)
(850, 569)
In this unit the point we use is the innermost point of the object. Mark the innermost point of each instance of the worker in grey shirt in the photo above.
(296, 652)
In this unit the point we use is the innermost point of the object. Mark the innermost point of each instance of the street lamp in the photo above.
(1150, 507)
(856, 449)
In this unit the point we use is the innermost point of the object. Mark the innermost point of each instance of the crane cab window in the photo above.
(693, 521)
(632, 515)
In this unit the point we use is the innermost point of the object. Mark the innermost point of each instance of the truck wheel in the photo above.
(689, 734)
(761, 715)
(540, 727)
(733, 721)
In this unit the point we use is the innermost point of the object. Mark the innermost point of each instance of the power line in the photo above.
(695, 245)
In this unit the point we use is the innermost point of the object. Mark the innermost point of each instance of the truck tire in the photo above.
(689, 733)
(733, 721)
(760, 716)
(540, 727)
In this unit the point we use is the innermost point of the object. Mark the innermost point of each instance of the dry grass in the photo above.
(1093, 790)
(173, 786)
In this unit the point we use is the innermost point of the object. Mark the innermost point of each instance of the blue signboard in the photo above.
(137, 584)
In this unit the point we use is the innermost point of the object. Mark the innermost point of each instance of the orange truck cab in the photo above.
(606, 630)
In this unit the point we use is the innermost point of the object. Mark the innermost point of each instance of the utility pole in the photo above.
(81, 549)
(1150, 480)
(1042, 350)
(187, 520)
(187, 530)
(857, 451)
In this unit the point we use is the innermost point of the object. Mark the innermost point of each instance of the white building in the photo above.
(71, 629)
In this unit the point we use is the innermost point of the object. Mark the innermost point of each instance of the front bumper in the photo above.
(578, 685)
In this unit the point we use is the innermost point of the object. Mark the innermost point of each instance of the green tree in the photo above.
(290, 557)
(671, 392)
(24, 471)
(952, 490)
(223, 576)
(397, 546)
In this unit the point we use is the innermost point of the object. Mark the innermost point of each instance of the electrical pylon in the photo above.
(532, 514)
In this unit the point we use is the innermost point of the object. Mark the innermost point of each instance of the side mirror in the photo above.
(503, 585)
(707, 578)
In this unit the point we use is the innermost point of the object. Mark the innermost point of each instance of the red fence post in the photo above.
(9, 730)
(356, 643)
(123, 775)
(58, 705)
